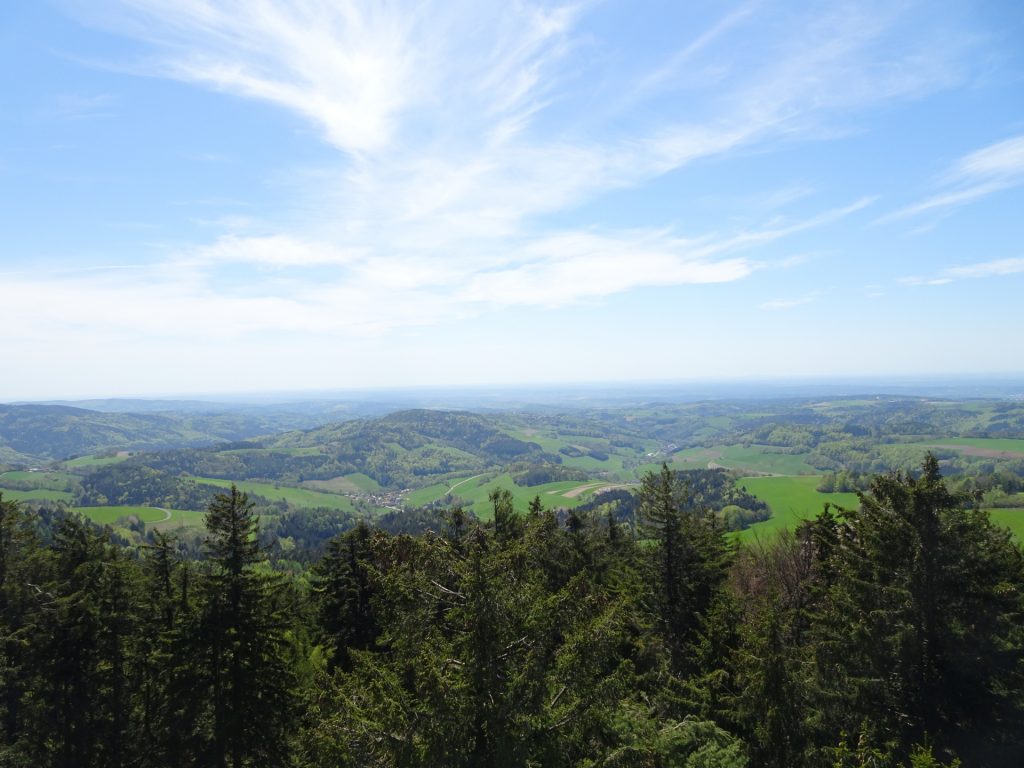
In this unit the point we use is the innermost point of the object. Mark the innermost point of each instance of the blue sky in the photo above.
(202, 197)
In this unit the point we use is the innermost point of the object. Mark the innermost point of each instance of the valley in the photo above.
(790, 455)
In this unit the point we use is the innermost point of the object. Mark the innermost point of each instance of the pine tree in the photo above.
(691, 559)
(507, 525)
(19, 571)
(244, 630)
(919, 635)
(344, 595)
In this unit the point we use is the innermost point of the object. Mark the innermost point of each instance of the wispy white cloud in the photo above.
(978, 174)
(996, 268)
(451, 167)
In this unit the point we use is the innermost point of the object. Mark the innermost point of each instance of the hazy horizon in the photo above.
(970, 385)
(314, 196)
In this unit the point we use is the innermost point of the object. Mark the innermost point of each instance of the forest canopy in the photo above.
(889, 634)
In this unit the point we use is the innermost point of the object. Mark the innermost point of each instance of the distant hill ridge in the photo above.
(36, 433)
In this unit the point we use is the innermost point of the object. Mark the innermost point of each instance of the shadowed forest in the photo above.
(888, 634)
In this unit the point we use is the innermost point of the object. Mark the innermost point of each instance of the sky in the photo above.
(200, 196)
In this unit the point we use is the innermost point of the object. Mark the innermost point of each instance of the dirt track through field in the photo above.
(596, 488)
(166, 517)
(574, 492)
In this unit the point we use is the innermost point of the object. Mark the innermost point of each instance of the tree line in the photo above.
(887, 635)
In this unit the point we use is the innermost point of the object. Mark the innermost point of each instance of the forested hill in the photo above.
(32, 433)
(416, 429)
(402, 449)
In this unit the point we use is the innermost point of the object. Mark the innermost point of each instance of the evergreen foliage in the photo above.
(887, 635)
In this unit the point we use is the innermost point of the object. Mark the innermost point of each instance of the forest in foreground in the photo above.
(886, 635)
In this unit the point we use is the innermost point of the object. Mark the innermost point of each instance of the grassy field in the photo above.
(475, 493)
(37, 495)
(791, 499)
(95, 461)
(363, 482)
(1012, 519)
(423, 496)
(181, 518)
(763, 459)
(590, 464)
(354, 483)
(694, 458)
(51, 479)
(108, 515)
(754, 459)
(299, 497)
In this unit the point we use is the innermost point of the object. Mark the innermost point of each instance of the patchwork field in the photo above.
(748, 459)
(299, 497)
(791, 499)
(474, 493)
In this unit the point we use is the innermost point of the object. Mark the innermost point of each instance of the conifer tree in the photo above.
(690, 560)
(19, 548)
(919, 635)
(244, 629)
(344, 595)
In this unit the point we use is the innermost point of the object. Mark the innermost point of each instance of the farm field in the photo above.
(474, 493)
(39, 494)
(108, 515)
(791, 499)
(1012, 518)
(423, 496)
(590, 464)
(300, 497)
(181, 518)
(95, 461)
(694, 458)
(354, 483)
(54, 480)
(763, 459)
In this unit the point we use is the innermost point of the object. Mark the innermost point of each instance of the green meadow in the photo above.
(1012, 518)
(299, 497)
(356, 482)
(791, 499)
(474, 493)
(181, 518)
(94, 461)
(423, 496)
(51, 479)
(109, 515)
(39, 494)
(763, 459)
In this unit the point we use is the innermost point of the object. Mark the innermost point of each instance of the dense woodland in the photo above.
(887, 635)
